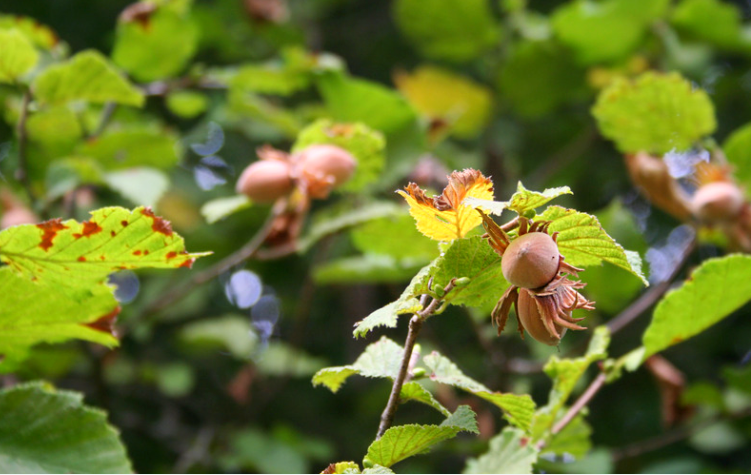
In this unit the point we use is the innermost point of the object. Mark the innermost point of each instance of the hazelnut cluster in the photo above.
(540, 290)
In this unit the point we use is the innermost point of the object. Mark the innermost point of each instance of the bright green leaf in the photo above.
(232, 333)
(713, 21)
(49, 431)
(454, 30)
(87, 76)
(583, 242)
(654, 113)
(220, 208)
(703, 300)
(737, 148)
(366, 145)
(573, 440)
(509, 452)
(187, 104)
(381, 359)
(133, 148)
(401, 442)
(17, 56)
(413, 391)
(140, 185)
(394, 236)
(40, 35)
(522, 201)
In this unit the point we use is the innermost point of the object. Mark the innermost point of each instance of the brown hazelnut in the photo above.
(265, 181)
(529, 316)
(324, 167)
(531, 261)
(717, 201)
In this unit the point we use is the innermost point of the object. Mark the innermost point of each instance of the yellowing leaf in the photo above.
(445, 217)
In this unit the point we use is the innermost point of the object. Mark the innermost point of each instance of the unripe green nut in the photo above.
(529, 316)
(531, 260)
(265, 181)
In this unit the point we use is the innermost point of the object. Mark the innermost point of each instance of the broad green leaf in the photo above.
(77, 256)
(454, 30)
(368, 268)
(583, 242)
(56, 128)
(654, 113)
(394, 236)
(573, 440)
(523, 201)
(133, 148)
(366, 145)
(17, 56)
(334, 220)
(254, 113)
(509, 452)
(381, 359)
(49, 431)
(517, 409)
(713, 291)
(220, 208)
(33, 313)
(713, 21)
(39, 35)
(282, 359)
(355, 100)
(565, 373)
(272, 79)
(140, 185)
(413, 391)
(187, 104)
(737, 148)
(232, 333)
(155, 46)
(401, 442)
(87, 76)
(441, 95)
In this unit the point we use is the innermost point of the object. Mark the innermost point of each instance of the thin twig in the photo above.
(415, 323)
(104, 120)
(22, 172)
(580, 403)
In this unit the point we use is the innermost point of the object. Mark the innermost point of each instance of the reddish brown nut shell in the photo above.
(530, 318)
(716, 202)
(531, 260)
(324, 167)
(265, 181)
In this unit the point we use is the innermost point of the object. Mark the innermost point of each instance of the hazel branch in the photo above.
(415, 324)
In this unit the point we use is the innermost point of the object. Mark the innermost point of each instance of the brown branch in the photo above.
(415, 324)
(589, 393)
(22, 172)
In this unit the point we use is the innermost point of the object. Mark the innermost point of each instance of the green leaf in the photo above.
(187, 104)
(155, 46)
(381, 359)
(17, 56)
(40, 35)
(369, 268)
(133, 148)
(401, 442)
(654, 113)
(50, 431)
(573, 440)
(232, 333)
(713, 291)
(33, 313)
(141, 185)
(220, 208)
(87, 76)
(737, 148)
(454, 30)
(394, 236)
(712, 21)
(517, 409)
(738, 378)
(282, 359)
(509, 452)
(522, 201)
(77, 256)
(271, 78)
(413, 391)
(355, 100)
(366, 145)
(583, 242)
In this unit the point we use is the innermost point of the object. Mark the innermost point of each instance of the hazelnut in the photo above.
(531, 261)
(324, 167)
(16, 216)
(717, 201)
(529, 316)
(265, 181)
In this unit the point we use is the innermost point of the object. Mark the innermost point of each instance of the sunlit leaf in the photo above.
(401, 442)
(713, 21)
(133, 148)
(654, 113)
(220, 208)
(187, 104)
(737, 148)
(412, 391)
(87, 76)
(509, 452)
(49, 431)
(522, 201)
(703, 300)
(17, 56)
(381, 359)
(141, 185)
(40, 35)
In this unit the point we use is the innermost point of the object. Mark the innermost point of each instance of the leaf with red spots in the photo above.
(77, 255)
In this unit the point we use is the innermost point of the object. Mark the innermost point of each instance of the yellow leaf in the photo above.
(444, 217)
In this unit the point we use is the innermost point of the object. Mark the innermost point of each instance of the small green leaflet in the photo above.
(523, 201)
(381, 359)
(77, 255)
(573, 440)
(413, 391)
(401, 442)
(50, 431)
(17, 56)
(218, 209)
(715, 289)
(509, 452)
(737, 148)
(583, 242)
(517, 409)
(87, 76)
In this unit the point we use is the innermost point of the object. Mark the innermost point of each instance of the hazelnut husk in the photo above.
(321, 168)
(531, 261)
(717, 202)
(528, 312)
(265, 181)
